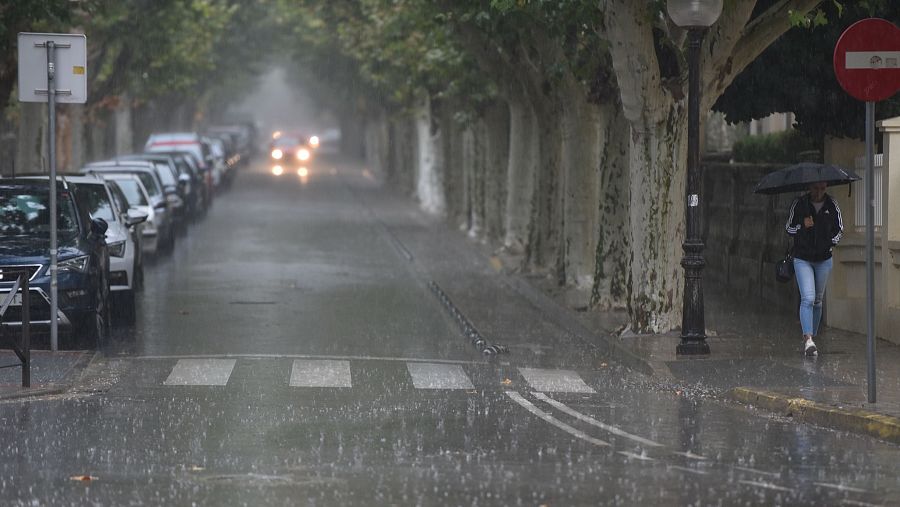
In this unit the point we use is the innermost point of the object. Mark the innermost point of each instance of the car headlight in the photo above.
(314, 141)
(277, 154)
(117, 249)
(303, 154)
(74, 265)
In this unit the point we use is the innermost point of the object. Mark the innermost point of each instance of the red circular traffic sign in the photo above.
(867, 59)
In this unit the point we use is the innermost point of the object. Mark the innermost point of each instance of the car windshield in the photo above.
(132, 190)
(95, 200)
(287, 142)
(149, 184)
(25, 213)
(165, 173)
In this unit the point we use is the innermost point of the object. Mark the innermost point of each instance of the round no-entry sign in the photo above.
(867, 59)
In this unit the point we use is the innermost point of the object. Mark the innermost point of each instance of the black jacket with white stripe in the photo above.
(814, 244)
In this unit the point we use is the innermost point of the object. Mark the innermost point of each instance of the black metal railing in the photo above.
(18, 296)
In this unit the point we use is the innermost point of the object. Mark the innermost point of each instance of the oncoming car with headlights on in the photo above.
(289, 149)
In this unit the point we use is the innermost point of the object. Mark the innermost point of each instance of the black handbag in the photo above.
(784, 269)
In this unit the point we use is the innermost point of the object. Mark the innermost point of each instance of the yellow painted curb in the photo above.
(854, 420)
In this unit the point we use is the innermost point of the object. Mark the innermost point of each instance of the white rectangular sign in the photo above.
(873, 60)
(70, 73)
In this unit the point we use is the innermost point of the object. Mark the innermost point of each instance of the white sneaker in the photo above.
(810, 348)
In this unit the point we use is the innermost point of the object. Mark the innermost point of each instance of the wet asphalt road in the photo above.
(288, 354)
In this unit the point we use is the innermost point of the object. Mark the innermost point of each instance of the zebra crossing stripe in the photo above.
(200, 372)
(320, 373)
(554, 381)
(438, 376)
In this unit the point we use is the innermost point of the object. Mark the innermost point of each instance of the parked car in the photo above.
(187, 163)
(82, 262)
(139, 200)
(162, 207)
(190, 142)
(103, 200)
(180, 183)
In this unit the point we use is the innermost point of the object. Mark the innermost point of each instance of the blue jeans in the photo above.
(811, 280)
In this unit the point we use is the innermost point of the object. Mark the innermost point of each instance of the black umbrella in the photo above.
(798, 177)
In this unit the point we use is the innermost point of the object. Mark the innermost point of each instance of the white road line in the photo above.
(320, 373)
(527, 405)
(766, 485)
(555, 381)
(590, 420)
(438, 376)
(840, 487)
(200, 372)
(688, 470)
(859, 504)
(309, 356)
(690, 455)
(641, 457)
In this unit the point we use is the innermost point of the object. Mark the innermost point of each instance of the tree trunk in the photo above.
(429, 184)
(496, 159)
(473, 164)
(522, 168)
(377, 141)
(657, 222)
(31, 145)
(544, 249)
(454, 188)
(79, 137)
(402, 160)
(612, 263)
(122, 127)
(580, 165)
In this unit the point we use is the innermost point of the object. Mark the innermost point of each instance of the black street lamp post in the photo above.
(696, 16)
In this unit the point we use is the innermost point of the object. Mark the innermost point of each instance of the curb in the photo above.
(72, 375)
(32, 392)
(800, 409)
(562, 317)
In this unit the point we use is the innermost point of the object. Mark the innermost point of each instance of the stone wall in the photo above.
(744, 236)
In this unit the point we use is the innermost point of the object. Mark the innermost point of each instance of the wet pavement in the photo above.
(292, 350)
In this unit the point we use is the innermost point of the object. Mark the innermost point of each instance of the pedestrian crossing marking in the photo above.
(200, 372)
(554, 381)
(320, 373)
(438, 376)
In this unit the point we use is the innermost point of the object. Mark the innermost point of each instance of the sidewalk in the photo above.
(756, 360)
(51, 372)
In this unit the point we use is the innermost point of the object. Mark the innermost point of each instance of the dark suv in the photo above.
(83, 259)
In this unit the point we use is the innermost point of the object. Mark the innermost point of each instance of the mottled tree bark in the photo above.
(496, 124)
(429, 177)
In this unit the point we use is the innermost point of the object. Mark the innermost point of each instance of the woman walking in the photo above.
(816, 225)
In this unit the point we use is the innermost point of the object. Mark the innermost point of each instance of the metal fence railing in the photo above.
(18, 296)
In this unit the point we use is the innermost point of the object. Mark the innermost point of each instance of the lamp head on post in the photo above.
(694, 13)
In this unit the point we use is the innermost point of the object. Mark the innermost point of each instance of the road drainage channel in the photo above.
(468, 329)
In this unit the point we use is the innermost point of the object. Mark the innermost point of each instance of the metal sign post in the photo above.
(63, 76)
(870, 249)
(867, 66)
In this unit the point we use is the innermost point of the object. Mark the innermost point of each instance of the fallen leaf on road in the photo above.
(603, 365)
(83, 478)
(506, 382)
